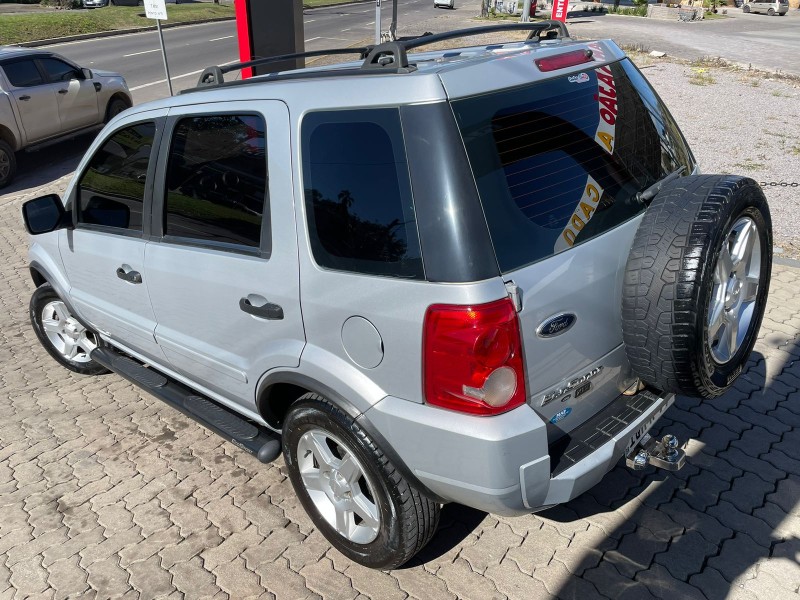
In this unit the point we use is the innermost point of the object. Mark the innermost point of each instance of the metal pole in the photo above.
(164, 55)
(377, 21)
(393, 26)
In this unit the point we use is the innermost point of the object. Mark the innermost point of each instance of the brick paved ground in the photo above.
(106, 492)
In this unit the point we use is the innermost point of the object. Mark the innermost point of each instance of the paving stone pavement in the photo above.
(106, 492)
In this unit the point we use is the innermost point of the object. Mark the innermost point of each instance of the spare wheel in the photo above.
(696, 284)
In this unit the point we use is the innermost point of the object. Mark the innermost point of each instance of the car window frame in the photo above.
(73, 203)
(264, 249)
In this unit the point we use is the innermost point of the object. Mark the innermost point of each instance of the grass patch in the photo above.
(314, 3)
(638, 11)
(700, 76)
(26, 27)
(710, 15)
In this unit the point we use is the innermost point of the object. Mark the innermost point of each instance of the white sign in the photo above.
(155, 9)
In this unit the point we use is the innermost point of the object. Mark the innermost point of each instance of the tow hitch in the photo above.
(663, 454)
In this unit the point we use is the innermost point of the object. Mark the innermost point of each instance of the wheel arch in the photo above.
(7, 135)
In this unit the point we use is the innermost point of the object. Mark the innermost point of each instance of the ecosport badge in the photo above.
(556, 325)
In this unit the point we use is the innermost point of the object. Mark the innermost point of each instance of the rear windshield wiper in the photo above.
(648, 194)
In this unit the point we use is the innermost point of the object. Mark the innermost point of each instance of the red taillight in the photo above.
(473, 358)
(561, 61)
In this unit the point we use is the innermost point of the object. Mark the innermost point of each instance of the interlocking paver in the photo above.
(466, 584)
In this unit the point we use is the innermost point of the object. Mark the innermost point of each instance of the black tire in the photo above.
(669, 281)
(771, 12)
(8, 164)
(745, 9)
(408, 519)
(42, 298)
(115, 106)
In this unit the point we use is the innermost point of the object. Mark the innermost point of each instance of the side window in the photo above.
(111, 190)
(58, 70)
(216, 184)
(23, 73)
(358, 193)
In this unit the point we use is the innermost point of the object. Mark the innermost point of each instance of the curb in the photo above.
(786, 262)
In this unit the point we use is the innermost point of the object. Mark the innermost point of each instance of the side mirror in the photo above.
(44, 214)
(87, 73)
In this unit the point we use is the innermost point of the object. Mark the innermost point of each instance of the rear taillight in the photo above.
(561, 61)
(473, 358)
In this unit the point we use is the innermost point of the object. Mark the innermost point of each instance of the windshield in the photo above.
(561, 161)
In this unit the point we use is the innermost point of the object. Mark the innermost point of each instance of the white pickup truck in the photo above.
(45, 98)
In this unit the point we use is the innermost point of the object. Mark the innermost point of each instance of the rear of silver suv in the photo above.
(464, 245)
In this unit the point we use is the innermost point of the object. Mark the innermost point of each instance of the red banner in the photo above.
(560, 10)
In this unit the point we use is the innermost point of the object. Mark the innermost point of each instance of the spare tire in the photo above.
(696, 284)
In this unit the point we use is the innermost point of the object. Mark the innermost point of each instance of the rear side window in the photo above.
(23, 73)
(358, 194)
(561, 161)
(217, 180)
(111, 190)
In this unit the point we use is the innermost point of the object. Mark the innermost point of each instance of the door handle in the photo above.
(25, 98)
(63, 91)
(270, 311)
(129, 276)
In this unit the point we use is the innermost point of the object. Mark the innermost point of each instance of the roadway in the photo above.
(192, 48)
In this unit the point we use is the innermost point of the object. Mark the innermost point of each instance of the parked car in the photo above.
(774, 7)
(444, 3)
(45, 98)
(477, 275)
(101, 3)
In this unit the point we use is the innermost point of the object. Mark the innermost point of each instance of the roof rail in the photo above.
(215, 75)
(389, 57)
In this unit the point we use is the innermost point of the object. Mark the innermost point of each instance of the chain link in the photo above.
(793, 184)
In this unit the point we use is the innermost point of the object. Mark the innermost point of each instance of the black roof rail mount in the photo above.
(389, 57)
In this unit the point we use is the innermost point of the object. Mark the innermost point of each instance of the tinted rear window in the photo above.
(561, 161)
(358, 193)
(23, 73)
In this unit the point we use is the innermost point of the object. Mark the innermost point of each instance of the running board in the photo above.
(250, 437)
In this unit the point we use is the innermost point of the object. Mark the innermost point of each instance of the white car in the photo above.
(45, 98)
(445, 3)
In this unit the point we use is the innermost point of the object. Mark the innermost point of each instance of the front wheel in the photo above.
(745, 9)
(354, 495)
(696, 284)
(61, 334)
(771, 12)
(115, 107)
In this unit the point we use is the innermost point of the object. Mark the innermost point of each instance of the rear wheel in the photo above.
(746, 8)
(696, 284)
(352, 492)
(61, 334)
(8, 164)
(771, 12)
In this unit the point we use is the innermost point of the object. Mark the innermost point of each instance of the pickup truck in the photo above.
(45, 98)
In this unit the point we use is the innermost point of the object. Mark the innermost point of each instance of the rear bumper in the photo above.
(502, 464)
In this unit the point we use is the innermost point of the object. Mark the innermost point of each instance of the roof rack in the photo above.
(388, 57)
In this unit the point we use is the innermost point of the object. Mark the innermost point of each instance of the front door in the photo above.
(104, 255)
(35, 99)
(76, 96)
(224, 273)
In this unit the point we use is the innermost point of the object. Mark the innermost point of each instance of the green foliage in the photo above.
(638, 11)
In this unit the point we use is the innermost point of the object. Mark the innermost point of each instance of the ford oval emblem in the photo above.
(561, 415)
(556, 325)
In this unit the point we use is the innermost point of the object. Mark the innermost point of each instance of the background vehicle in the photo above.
(424, 278)
(774, 7)
(445, 3)
(45, 97)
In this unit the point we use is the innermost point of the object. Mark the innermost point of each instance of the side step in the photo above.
(251, 437)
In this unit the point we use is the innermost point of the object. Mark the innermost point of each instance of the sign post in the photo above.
(157, 9)
(377, 21)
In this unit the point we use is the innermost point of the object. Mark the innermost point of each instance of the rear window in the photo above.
(561, 161)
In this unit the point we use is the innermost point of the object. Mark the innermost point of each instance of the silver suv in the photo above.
(476, 275)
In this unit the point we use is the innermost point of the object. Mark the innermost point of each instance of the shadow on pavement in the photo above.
(710, 528)
(40, 167)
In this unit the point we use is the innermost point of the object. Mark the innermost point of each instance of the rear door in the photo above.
(76, 96)
(35, 99)
(224, 272)
(104, 253)
(558, 165)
